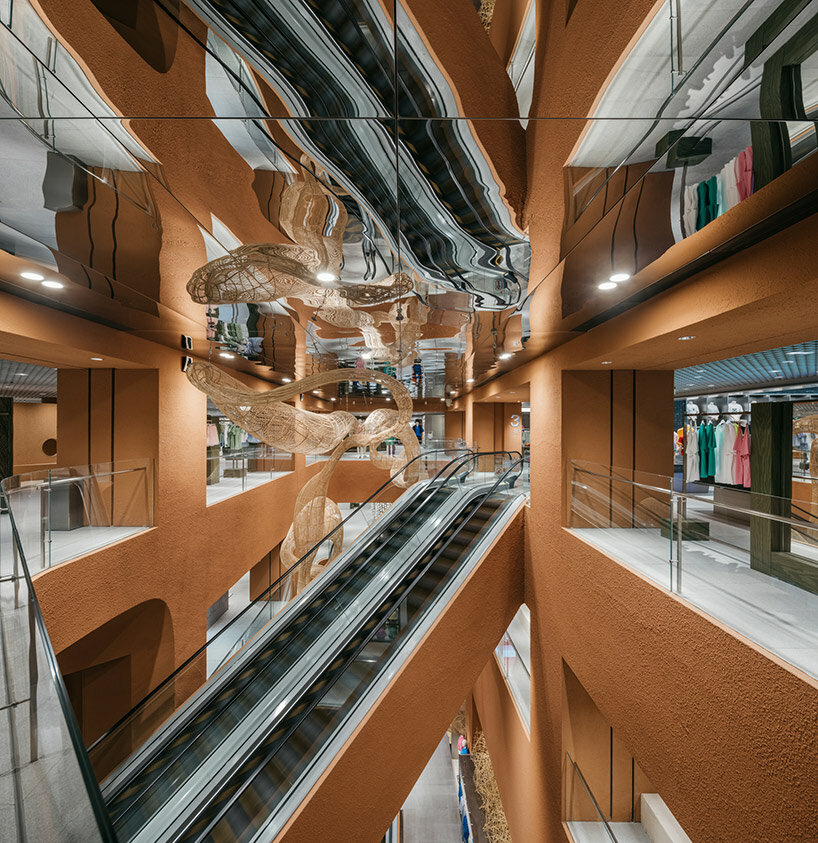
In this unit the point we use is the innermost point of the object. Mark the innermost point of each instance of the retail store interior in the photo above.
(408, 421)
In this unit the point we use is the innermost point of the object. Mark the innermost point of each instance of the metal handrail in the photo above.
(259, 599)
(592, 797)
(362, 645)
(687, 496)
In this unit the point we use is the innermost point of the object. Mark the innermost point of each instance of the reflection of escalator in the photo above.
(248, 735)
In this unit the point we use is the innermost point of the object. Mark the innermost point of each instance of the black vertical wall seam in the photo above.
(633, 448)
(610, 794)
(610, 447)
(113, 410)
(88, 419)
(633, 789)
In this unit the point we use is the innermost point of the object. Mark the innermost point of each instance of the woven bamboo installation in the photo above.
(809, 424)
(269, 419)
(485, 784)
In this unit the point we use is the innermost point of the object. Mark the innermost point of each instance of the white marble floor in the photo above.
(227, 487)
(64, 544)
(430, 813)
(586, 832)
(717, 578)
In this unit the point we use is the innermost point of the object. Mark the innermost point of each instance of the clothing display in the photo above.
(692, 453)
(710, 198)
(707, 451)
(726, 433)
(741, 472)
(212, 435)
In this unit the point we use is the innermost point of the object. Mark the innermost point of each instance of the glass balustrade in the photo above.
(751, 564)
(62, 513)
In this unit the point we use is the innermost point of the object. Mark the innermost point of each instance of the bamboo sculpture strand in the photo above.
(266, 417)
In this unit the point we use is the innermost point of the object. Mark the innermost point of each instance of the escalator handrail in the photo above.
(481, 499)
(431, 490)
(262, 596)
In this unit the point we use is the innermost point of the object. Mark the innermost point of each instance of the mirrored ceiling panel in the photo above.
(295, 188)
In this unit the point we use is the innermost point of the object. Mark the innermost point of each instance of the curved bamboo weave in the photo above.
(266, 416)
(809, 424)
(485, 784)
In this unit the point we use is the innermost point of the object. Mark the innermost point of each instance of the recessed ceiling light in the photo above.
(606, 362)
(365, 355)
(325, 276)
(53, 285)
(333, 399)
(286, 380)
(469, 380)
(315, 392)
(32, 276)
(618, 277)
(505, 355)
(607, 285)
(799, 352)
(226, 354)
(21, 374)
(98, 359)
(689, 337)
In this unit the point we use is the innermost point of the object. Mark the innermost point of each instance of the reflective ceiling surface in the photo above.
(143, 141)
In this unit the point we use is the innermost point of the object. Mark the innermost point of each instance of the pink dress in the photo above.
(741, 463)
(744, 172)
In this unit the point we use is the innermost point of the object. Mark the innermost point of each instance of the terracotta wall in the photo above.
(362, 790)
(33, 425)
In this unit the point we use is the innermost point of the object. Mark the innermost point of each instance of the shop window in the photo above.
(151, 31)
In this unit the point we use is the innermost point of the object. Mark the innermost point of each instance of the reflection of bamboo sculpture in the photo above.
(269, 419)
(809, 424)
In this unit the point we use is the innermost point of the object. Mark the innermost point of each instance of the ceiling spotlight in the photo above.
(691, 337)
(619, 277)
(607, 362)
(53, 285)
(226, 354)
(286, 380)
(333, 399)
(98, 359)
(325, 277)
(469, 380)
(21, 374)
(32, 276)
(607, 285)
(365, 355)
(505, 355)
(315, 392)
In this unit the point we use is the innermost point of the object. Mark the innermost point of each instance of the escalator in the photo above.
(229, 761)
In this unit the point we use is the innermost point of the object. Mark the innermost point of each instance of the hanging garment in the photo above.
(729, 186)
(720, 200)
(708, 207)
(212, 435)
(743, 452)
(725, 452)
(692, 453)
(744, 172)
(707, 451)
(690, 207)
(741, 464)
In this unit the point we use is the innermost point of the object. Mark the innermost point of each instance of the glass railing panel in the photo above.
(62, 513)
(232, 471)
(137, 726)
(516, 674)
(583, 816)
(276, 767)
(50, 792)
(748, 559)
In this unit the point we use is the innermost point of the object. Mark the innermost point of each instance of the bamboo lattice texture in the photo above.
(265, 416)
(485, 784)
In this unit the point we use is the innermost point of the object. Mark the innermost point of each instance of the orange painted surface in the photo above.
(360, 793)
(33, 424)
